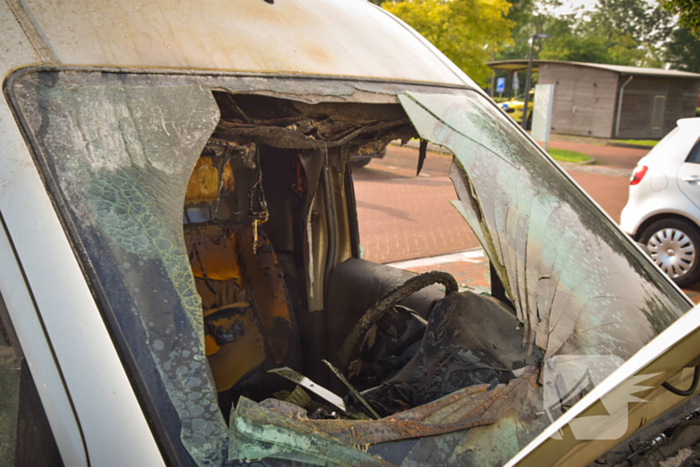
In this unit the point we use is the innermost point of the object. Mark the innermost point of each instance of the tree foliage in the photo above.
(683, 51)
(622, 32)
(467, 31)
(688, 12)
(521, 14)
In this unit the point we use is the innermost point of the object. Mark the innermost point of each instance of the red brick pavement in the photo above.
(402, 216)
(608, 191)
(406, 218)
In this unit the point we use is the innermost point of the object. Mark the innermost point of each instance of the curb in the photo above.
(590, 161)
(595, 169)
(629, 145)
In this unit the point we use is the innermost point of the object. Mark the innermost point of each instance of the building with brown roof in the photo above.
(613, 101)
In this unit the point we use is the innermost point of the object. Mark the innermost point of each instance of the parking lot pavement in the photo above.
(610, 192)
(406, 218)
(407, 221)
(402, 216)
(693, 293)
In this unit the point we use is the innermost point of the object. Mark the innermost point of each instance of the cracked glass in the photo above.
(577, 284)
(123, 181)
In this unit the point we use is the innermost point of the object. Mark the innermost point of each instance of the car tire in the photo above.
(674, 245)
(361, 162)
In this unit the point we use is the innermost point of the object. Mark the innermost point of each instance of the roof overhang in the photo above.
(521, 65)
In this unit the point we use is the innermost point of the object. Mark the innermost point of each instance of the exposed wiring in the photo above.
(691, 389)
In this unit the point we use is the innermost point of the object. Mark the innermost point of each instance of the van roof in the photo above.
(350, 38)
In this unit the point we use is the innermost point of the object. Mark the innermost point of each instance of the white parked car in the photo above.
(663, 210)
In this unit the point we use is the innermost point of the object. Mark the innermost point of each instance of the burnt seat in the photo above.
(249, 322)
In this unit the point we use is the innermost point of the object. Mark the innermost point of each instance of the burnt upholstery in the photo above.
(248, 318)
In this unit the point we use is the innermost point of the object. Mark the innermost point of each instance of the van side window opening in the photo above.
(215, 222)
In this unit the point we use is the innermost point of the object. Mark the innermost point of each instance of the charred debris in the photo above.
(268, 176)
(341, 129)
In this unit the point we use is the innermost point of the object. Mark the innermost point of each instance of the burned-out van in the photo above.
(180, 262)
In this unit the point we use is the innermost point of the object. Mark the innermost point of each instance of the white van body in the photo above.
(89, 401)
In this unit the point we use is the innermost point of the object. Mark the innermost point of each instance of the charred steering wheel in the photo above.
(353, 343)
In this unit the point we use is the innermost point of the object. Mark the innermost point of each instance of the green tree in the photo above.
(466, 31)
(521, 13)
(569, 44)
(688, 12)
(586, 43)
(645, 22)
(635, 30)
(683, 51)
(624, 32)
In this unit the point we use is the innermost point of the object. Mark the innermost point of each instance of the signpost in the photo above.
(500, 86)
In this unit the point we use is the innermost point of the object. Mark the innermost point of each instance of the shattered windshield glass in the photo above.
(124, 183)
(576, 283)
(212, 215)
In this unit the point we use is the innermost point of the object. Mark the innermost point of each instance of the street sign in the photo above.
(516, 82)
(500, 84)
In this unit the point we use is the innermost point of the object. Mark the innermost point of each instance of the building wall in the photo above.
(651, 106)
(584, 99)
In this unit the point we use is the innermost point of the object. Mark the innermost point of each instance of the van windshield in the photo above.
(215, 219)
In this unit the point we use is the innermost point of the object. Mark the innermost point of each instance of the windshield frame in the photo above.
(173, 451)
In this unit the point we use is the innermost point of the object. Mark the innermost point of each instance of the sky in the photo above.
(570, 6)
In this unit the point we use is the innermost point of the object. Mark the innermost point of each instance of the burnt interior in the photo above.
(269, 215)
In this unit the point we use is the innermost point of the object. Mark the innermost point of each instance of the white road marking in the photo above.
(475, 255)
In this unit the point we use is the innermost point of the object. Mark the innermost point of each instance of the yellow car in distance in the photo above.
(514, 108)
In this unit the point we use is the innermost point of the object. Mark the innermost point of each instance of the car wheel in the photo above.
(673, 245)
(361, 162)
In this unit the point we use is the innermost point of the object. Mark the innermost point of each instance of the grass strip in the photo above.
(640, 142)
(567, 156)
